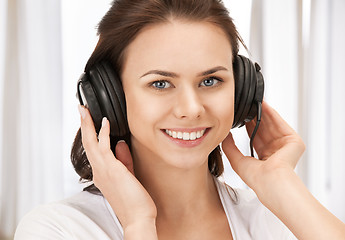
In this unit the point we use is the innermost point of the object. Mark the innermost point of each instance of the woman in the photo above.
(176, 64)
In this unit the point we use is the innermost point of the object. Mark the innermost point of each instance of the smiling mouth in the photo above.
(185, 135)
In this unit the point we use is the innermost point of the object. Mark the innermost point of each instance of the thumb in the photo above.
(235, 157)
(123, 154)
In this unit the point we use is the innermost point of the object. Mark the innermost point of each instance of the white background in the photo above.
(45, 44)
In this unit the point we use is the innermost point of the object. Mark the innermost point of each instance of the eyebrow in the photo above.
(172, 74)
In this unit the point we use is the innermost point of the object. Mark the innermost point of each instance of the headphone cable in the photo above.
(255, 129)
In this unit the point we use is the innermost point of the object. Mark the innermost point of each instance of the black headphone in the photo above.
(100, 90)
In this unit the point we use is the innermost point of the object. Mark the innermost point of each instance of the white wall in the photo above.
(304, 82)
(79, 39)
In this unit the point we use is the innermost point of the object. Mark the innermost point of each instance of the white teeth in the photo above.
(192, 136)
(179, 135)
(198, 134)
(185, 135)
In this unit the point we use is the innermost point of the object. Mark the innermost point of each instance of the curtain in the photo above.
(323, 58)
(44, 45)
(300, 46)
(31, 109)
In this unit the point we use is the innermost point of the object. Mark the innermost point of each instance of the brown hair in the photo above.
(123, 22)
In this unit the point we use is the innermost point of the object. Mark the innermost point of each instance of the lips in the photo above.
(185, 135)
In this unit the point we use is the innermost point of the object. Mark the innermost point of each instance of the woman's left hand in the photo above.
(278, 147)
(276, 184)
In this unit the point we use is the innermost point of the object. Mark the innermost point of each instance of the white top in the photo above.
(89, 216)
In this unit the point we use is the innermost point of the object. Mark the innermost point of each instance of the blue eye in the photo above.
(161, 84)
(209, 82)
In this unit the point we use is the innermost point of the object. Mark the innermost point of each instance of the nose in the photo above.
(189, 104)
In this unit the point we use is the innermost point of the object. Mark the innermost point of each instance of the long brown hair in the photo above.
(124, 21)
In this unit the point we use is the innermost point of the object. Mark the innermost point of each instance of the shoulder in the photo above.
(249, 216)
(82, 216)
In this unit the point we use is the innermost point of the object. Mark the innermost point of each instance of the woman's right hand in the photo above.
(114, 177)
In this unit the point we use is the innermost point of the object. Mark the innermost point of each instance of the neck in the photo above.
(177, 192)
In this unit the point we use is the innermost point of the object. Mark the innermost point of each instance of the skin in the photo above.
(171, 185)
(186, 50)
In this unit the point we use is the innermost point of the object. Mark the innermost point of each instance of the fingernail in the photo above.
(120, 141)
(104, 121)
(81, 111)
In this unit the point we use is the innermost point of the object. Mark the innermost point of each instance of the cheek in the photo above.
(226, 114)
(136, 112)
(142, 111)
(223, 108)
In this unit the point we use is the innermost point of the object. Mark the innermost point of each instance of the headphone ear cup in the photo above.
(88, 98)
(248, 90)
(112, 82)
(102, 100)
(250, 80)
(241, 88)
(116, 83)
(239, 83)
(259, 92)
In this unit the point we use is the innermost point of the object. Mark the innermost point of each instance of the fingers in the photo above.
(292, 150)
(98, 151)
(231, 151)
(89, 136)
(276, 137)
(272, 127)
(103, 136)
(245, 167)
(123, 154)
(273, 121)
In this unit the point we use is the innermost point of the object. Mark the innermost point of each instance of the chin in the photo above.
(187, 161)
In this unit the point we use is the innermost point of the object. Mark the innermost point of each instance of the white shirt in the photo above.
(89, 216)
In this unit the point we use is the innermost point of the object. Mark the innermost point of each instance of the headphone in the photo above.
(100, 90)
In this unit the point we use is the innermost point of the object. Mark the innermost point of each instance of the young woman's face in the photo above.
(179, 87)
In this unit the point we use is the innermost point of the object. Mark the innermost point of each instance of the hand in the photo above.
(115, 176)
(276, 184)
(276, 143)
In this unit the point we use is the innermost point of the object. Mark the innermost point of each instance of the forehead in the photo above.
(177, 43)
